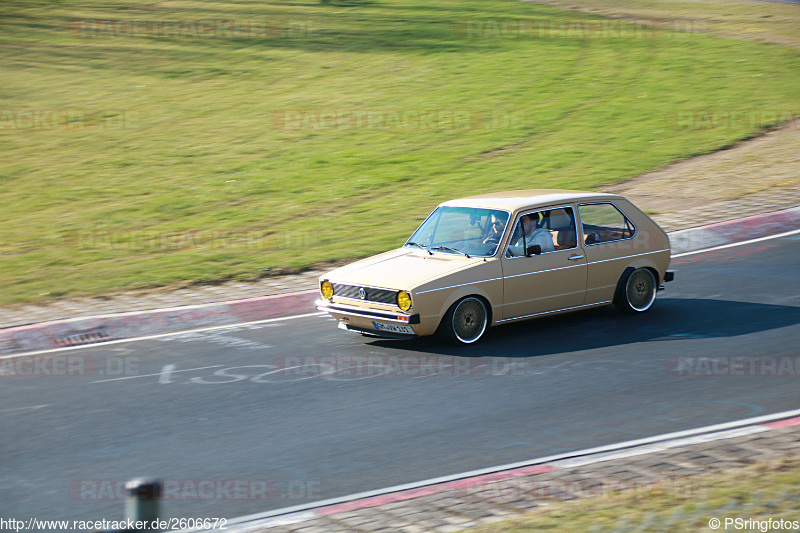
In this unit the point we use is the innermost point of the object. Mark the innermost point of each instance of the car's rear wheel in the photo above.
(636, 291)
(466, 321)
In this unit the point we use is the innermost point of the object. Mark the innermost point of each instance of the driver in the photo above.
(496, 226)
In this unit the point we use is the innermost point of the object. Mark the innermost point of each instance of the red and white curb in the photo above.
(86, 331)
(100, 329)
(401, 493)
(733, 231)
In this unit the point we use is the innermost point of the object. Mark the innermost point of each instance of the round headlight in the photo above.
(403, 300)
(327, 289)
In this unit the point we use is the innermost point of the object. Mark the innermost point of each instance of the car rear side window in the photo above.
(604, 222)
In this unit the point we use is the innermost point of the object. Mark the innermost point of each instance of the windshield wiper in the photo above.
(465, 254)
(420, 245)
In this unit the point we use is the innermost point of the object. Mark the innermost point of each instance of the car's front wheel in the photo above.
(636, 291)
(466, 321)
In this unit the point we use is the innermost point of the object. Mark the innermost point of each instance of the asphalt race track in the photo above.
(264, 416)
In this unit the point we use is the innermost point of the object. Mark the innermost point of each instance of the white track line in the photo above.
(751, 241)
(171, 371)
(160, 335)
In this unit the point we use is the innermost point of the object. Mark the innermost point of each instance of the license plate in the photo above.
(393, 328)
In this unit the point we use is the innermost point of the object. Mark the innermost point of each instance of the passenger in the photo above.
(535, 234)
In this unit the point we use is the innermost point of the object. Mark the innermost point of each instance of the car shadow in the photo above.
(670, 319)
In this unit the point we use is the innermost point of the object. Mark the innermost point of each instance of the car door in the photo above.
(610, 241)
(549, 281)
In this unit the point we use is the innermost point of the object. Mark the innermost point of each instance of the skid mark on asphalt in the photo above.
(513, 367)
(7, 413)
(163, 376)
(223, 337)
(219, 339)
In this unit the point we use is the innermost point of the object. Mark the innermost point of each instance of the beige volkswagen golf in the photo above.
(497, 258)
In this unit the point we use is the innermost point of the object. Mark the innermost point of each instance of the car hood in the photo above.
(402, 269)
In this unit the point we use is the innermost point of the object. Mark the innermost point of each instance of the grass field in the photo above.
(148, 145)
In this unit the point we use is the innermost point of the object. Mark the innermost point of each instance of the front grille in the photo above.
(383, 296)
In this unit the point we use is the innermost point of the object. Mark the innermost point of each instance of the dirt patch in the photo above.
(772, 22)
(769, 162)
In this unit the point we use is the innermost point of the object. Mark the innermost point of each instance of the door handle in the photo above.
(575, 257)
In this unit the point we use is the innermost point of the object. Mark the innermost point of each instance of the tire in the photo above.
(636, 291)
(466, 321)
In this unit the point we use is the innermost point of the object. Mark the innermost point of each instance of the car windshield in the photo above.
(461, 230)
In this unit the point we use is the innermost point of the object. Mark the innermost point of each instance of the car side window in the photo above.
(550, 229)
(604, 222)
(562, 224)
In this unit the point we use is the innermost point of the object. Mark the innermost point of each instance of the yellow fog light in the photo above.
(403, 300)
(327, 289)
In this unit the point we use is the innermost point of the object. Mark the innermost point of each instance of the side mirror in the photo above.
(533, 249)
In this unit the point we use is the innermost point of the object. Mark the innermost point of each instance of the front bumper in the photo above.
(374, 332)
(363, 320)
(372, 314)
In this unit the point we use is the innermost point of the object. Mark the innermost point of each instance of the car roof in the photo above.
(513, 200)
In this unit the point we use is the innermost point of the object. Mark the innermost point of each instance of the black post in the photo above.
(142, 502)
